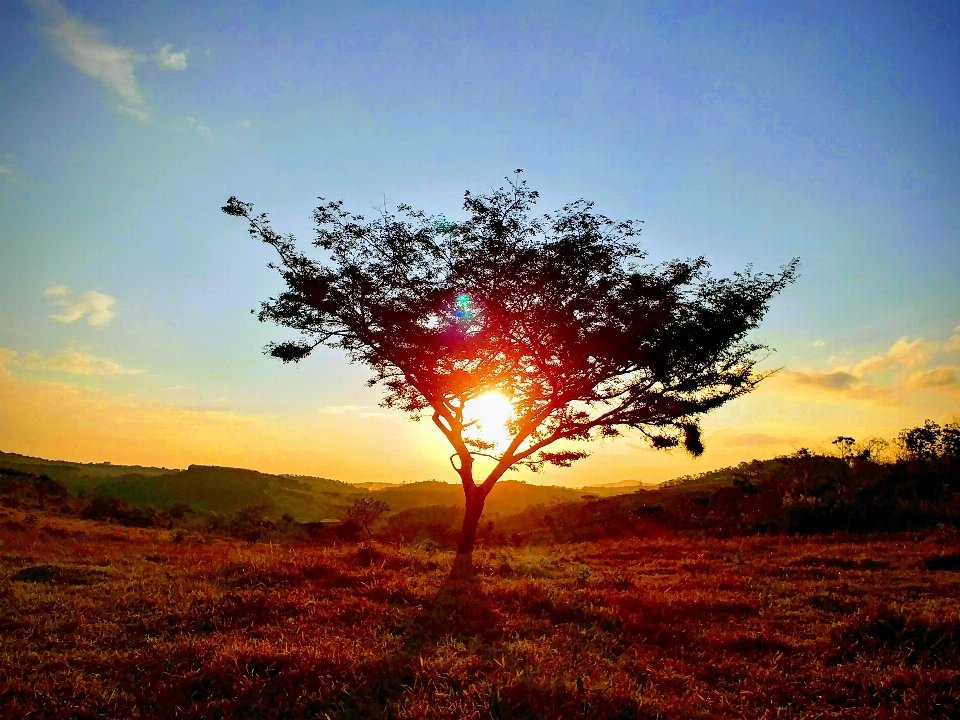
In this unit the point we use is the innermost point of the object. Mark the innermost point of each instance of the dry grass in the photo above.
(98, 620)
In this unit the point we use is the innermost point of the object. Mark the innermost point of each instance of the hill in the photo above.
(225, 490)
(74, 475)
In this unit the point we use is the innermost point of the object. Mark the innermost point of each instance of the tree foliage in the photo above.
(366, 511)
(931, 441)
(558, 312)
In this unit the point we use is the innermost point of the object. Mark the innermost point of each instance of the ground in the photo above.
(99, 620)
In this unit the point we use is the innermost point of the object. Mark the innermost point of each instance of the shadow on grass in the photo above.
(460, 611)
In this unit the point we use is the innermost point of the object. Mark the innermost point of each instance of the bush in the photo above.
(113, 508)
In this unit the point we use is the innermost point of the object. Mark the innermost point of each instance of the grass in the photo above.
(101, 620)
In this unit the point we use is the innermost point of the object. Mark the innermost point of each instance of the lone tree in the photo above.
(555, 312)
(366, 511)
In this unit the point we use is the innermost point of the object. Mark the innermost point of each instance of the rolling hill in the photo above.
(225, 490)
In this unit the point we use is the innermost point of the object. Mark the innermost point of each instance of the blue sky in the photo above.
(745, 132)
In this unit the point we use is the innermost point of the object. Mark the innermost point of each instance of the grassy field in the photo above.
(102, 620)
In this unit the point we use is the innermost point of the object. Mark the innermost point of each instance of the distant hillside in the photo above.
(623, 485)
(77, 475)
(506, 498)
(376, 485)
(202, 488)
(225, 490)
(724, 477)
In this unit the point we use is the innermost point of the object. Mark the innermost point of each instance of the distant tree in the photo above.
(844, 446)
(366, 511)
(557, 313)
(871, 449)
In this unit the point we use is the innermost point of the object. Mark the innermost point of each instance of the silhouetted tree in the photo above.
(844, 446)
(931, 441)
(555, 312)
(366, 511)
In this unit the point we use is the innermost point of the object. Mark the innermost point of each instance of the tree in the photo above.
(555, 312)
(844, 446)
(930, 441)
(366, 511)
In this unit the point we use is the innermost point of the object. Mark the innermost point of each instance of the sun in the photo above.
(492, 411)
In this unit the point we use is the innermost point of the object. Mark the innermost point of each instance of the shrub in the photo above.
(113, 508)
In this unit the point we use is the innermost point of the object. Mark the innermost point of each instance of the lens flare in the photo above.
(463, 307)
(492, 411)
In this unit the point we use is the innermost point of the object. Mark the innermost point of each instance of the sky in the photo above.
(749, 133)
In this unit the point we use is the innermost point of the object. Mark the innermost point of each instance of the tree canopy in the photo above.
(557, 312)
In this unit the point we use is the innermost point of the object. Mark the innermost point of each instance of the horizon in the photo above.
(749, 135)
(622, 483)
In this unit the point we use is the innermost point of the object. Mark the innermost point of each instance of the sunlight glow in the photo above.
(491, 411)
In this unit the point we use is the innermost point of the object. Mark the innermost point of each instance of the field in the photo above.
(102, 620)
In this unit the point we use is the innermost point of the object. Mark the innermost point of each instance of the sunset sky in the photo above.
(744, 132)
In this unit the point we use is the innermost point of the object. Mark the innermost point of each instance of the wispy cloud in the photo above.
(822, 380)
(60, 418)
(953, 344)
(7, 357)
(891, 377)
(10, 172)
(170, 60)
(86, 47)
(200, 129)
(69, 361)
(95, 306)
(340, 409)
(358, 410)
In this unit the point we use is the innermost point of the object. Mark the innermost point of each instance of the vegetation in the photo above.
(99, 620)
(204, 490)
(854, 491)
(366, 511)
(556, 313)
(712, 598)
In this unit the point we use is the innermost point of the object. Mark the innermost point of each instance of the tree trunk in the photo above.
(471, 518)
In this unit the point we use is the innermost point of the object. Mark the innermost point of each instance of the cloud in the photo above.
(340, 409)
(821, 380)
(202, 130)
(819, 343)
(913, 353)
(10, 173)
(68, 361)
(170, 60)
(873, 365)
(93, 305)
(359, 410)
(135, 112)
(894, 377)
(245, 124)
(953, 344)
(837, 385)
(55, 419)
(7, 357)
(942, 376)
(903, 353)
(86, 48)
